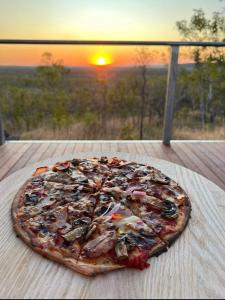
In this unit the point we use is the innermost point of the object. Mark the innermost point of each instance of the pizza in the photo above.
(100, 214)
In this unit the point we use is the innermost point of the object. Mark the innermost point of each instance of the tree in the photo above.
(208, 62)
(143, 59)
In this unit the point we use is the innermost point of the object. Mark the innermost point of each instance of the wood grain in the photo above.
(193, 268)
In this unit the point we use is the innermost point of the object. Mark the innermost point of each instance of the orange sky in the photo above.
(91, 19)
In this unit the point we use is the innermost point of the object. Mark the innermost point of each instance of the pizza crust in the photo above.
(17, 200)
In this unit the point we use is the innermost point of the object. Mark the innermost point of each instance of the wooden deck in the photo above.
(205, 158)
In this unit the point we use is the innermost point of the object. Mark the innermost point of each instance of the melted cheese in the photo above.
(130, 224)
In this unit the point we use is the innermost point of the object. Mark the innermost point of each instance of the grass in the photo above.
(217, 133)
(80, 132)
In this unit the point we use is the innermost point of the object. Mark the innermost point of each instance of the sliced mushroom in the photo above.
(121, 250)
(75, 162)
(75, 234)
(170, 210)
(91, 231)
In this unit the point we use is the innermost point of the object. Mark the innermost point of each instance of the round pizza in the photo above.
(100, 214)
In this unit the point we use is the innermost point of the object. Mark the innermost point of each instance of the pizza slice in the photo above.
(163, 206)
(118, 239)
(59, 233)
(168, 217)
(39, 195)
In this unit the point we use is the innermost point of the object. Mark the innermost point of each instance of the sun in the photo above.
(101, 60)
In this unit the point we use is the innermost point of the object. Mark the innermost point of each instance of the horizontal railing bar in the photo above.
(110, 43)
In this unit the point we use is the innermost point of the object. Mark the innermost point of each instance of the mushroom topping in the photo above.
(160, 178)
(103, 160)
(121, 250)
(75, 234)
(31, 199)
(75, 162)
(169, 210)
(91, 231)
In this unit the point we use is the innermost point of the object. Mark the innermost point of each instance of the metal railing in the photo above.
(172, 71)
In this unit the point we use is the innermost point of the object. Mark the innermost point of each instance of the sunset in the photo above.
(90, 20)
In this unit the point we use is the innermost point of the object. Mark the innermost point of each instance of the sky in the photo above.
(92, 20)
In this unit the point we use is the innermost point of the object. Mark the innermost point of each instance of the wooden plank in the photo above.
(194, 268)
(38, 154)
(186, 158)
(201, 165)
(24, 159)
(69, 149)
(59, 149)
(12, 160)
(170, 95)
(216, 163)
(208, 160)
(8, 151)
(218, 150)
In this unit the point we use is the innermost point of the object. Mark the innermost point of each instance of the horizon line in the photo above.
(94, 66)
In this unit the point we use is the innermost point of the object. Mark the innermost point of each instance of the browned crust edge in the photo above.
(16, 201)
(171, 239)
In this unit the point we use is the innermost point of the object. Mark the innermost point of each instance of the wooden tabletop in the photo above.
(193, 268)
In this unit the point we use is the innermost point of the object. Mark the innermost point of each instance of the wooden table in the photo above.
(193, 268)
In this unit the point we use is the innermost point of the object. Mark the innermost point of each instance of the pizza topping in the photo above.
(40, 171)
(91, 231)
(46, 203)
(30, 211)
(170, 210)
(133, 188)
(141, 240)
(75, 234)
(138, 259)
(87, 165)
(55, 185)
(101, 245)
(31, 199)
(82, 221)
(61, 166)
(114, 162)
(139, 193)
(103, 160)
(60, 216)
(141, 172)
(75, 162)
(115, 191)
(121, 250)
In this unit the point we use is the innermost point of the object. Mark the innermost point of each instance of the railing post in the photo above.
(170, 95)
(2, 133)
